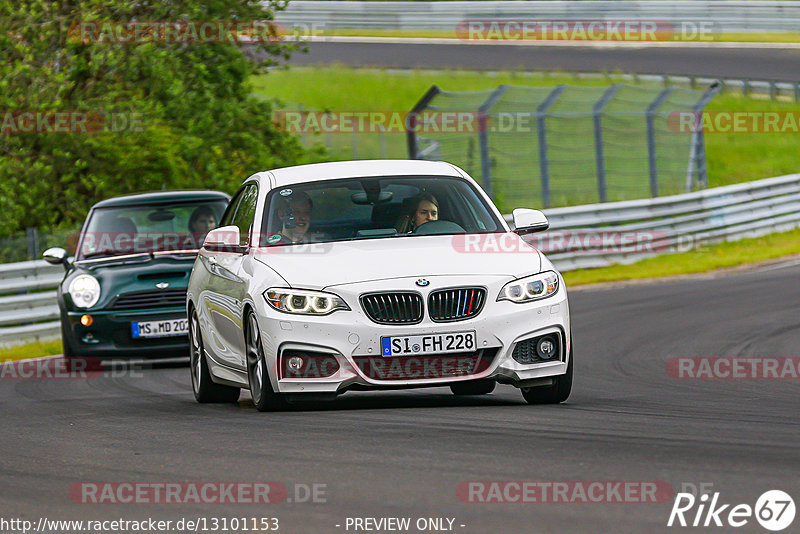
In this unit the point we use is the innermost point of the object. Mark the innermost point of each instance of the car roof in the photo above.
(316, 172)
(158, 197)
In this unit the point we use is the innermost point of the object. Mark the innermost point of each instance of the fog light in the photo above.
(295, 363)
(86, 320)
(546, 348)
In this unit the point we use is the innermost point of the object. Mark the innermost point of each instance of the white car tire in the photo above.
(264, 398)
(557, 392)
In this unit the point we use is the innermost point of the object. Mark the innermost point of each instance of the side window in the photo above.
(230, 210)
(245, 213)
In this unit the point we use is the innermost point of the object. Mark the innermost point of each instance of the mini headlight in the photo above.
(530, 288)
(84, 290)
(304, 302)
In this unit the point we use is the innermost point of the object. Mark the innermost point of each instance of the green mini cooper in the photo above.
(124, 295)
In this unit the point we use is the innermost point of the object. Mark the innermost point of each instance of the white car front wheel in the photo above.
(557, 392)
(264, 398)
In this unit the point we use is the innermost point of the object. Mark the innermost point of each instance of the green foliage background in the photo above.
(200, 126)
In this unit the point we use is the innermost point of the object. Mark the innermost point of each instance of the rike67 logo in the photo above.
(774, 510)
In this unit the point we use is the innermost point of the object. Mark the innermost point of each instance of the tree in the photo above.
(152, 111)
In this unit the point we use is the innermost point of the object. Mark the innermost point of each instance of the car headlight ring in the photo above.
(530, 288)
(303, 302)
(84, 290)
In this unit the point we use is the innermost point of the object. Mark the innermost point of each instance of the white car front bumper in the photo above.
(354, 340)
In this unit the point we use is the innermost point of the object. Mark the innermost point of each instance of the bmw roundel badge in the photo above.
(422, 282)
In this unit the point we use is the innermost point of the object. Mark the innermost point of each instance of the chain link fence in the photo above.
(30, 244)
(544, 146)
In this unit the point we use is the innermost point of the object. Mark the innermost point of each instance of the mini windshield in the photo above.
(138, 229)
(375, 208)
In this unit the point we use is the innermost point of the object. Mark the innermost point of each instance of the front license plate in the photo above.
(172, 327)
(428, 344)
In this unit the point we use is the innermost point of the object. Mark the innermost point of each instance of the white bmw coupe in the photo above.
(370, 275)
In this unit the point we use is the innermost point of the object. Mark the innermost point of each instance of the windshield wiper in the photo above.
(110, 253)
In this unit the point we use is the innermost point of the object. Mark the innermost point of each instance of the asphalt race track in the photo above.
(753, 63)
(402, 454)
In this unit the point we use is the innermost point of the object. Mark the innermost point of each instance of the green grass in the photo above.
(705, 259)
(741, 157)
(30, 350)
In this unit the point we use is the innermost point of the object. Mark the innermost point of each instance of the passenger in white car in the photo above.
(424, 208)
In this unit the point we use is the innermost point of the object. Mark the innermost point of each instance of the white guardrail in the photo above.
(728, 16)
(580, 237)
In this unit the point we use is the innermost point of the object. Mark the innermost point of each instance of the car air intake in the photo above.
(393, 308)
(456, 304)
(534, 350)
(159, 298)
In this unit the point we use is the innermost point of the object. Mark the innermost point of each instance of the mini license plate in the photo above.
(172, 327)
(428, 344)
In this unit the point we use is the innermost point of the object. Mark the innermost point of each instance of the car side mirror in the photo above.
(527, 221)
(225, 239)
(56, 256)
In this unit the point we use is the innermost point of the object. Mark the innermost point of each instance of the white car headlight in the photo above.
(535, 287)
(84, 290)
(304, 302)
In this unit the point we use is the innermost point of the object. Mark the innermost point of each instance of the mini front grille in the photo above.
(158, 298)
(393, 308)
(455, 304)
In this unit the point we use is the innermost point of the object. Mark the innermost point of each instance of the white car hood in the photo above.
(321, 265)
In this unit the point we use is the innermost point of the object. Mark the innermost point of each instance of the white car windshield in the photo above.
(374, 208)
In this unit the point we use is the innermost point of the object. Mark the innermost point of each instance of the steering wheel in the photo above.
(438, 227)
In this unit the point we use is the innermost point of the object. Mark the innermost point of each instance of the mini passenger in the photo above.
(202, 221)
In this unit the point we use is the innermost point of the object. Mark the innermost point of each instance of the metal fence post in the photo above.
(32, 237)
(651, 138)
(411, 120)
(483, 137)
(597, 111)
(544, 168)
(470, 155)
(697, 155)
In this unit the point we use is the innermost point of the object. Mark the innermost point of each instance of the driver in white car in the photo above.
(295, 216)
